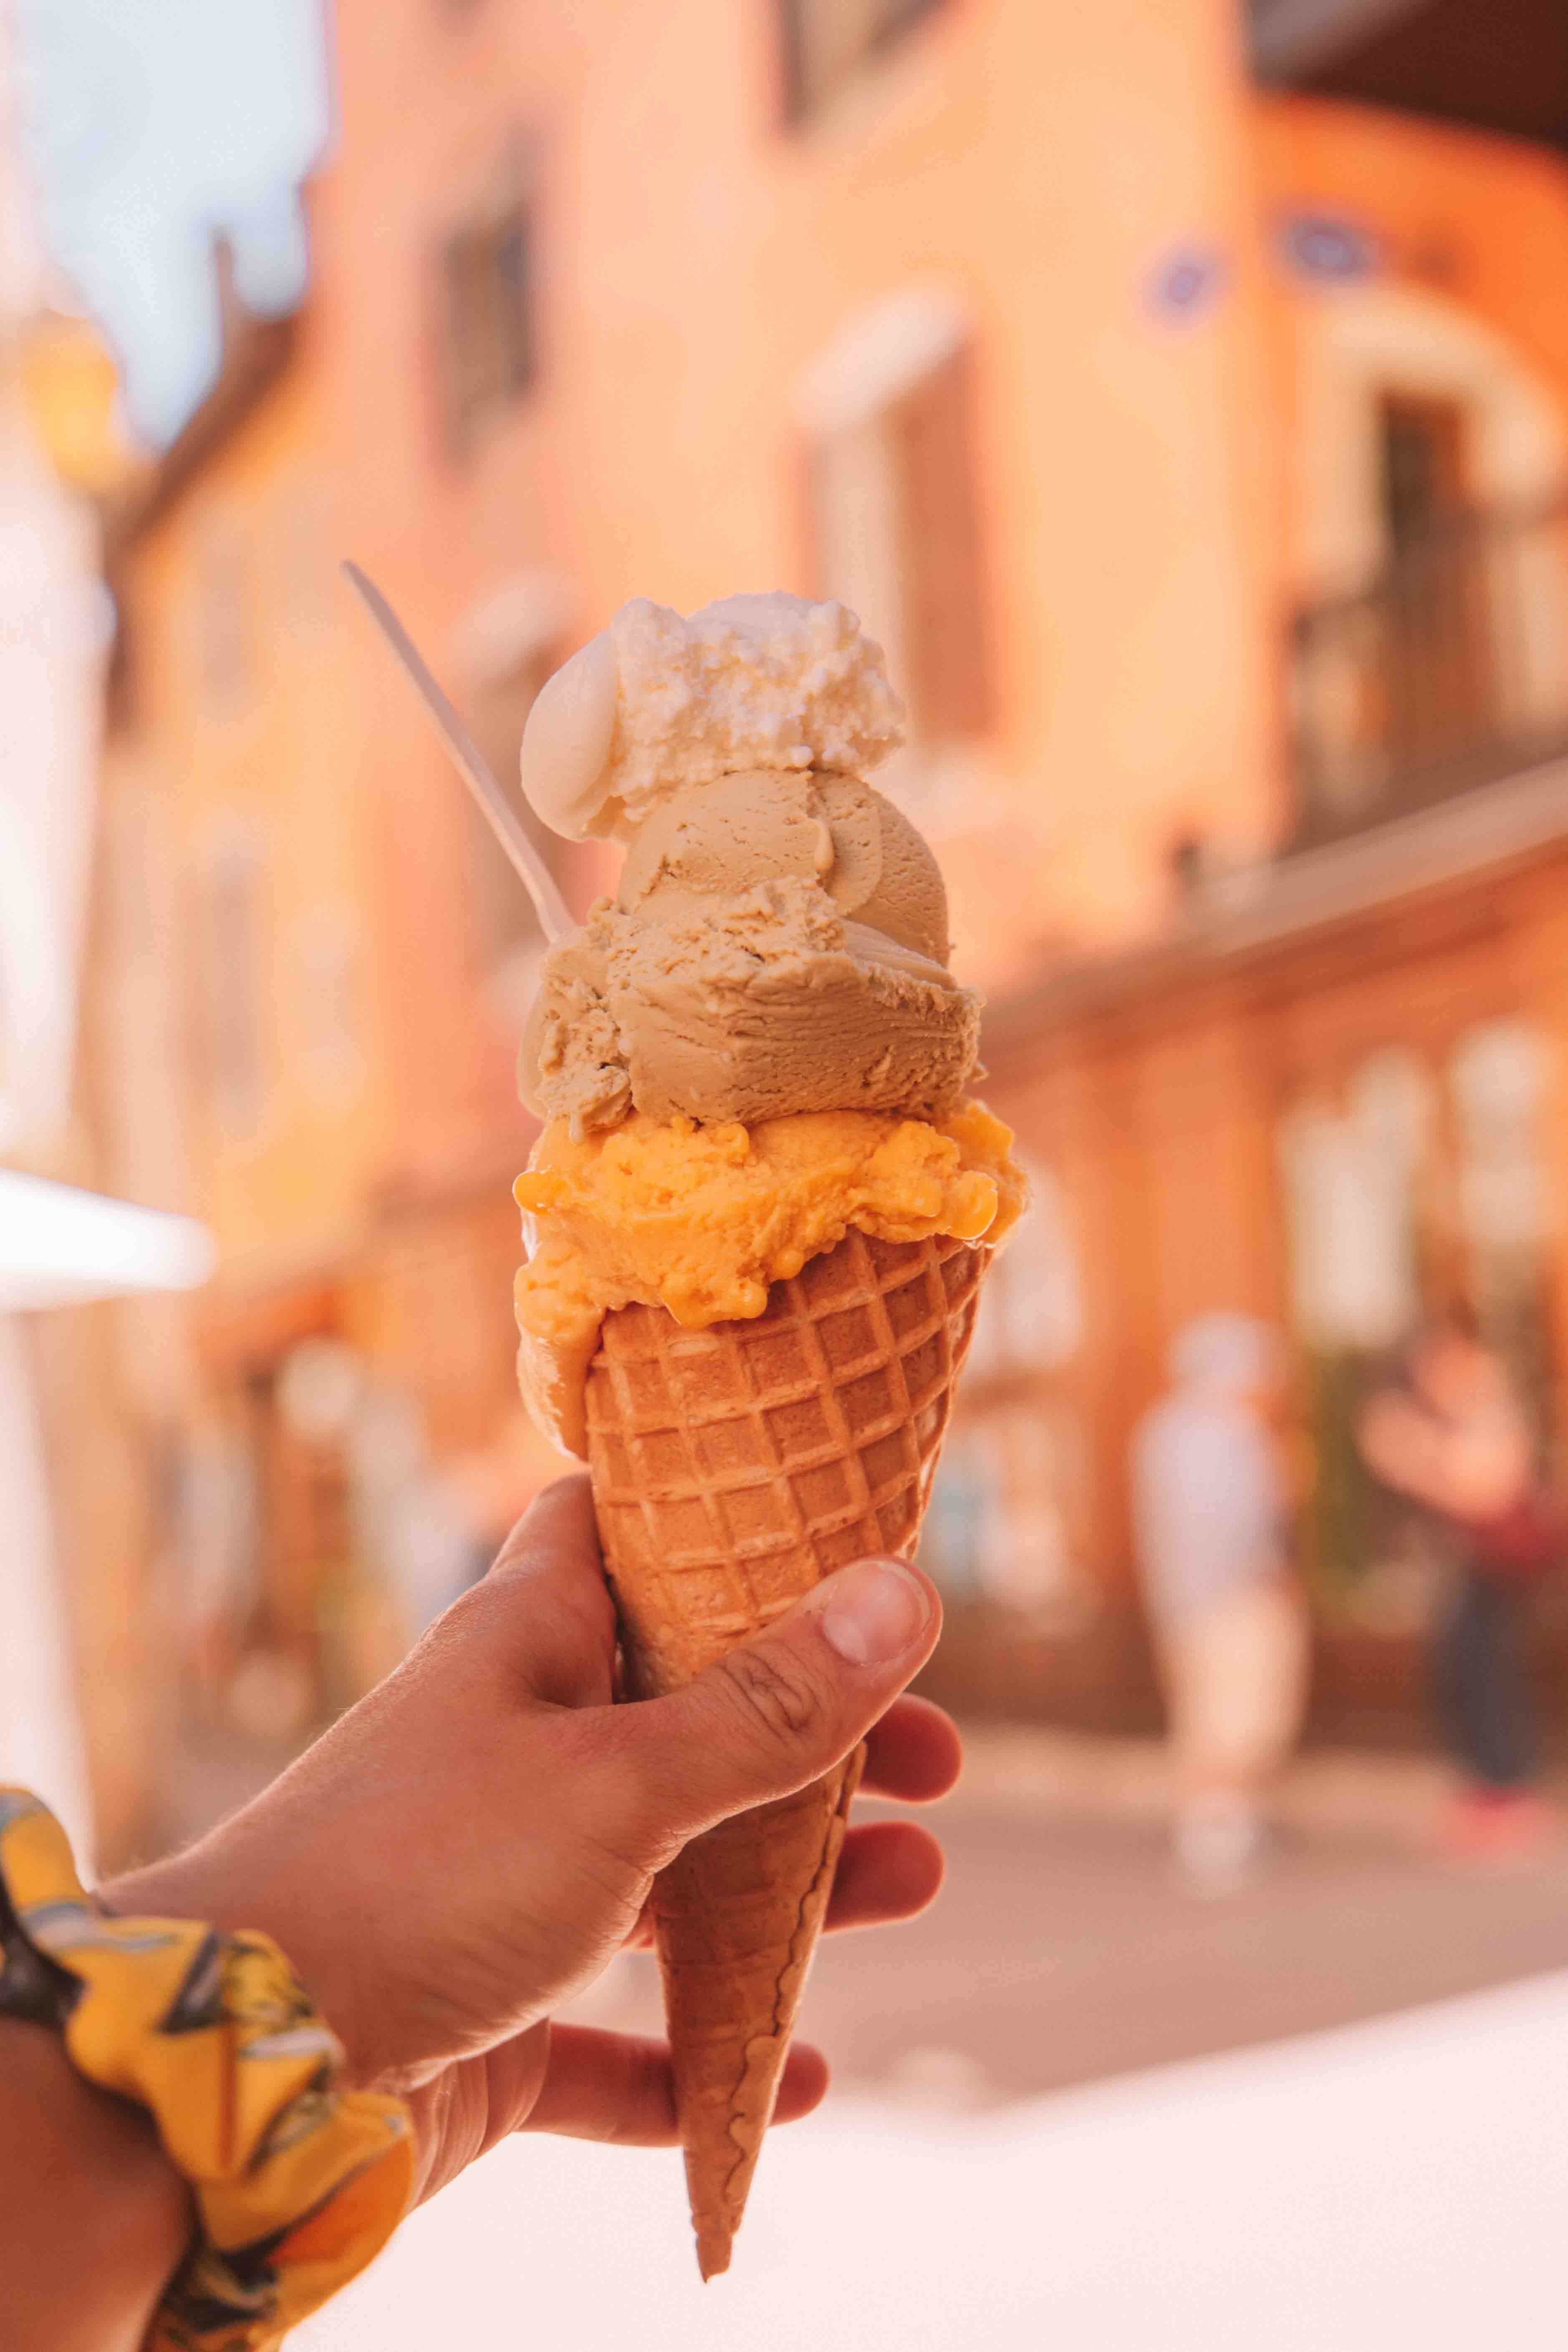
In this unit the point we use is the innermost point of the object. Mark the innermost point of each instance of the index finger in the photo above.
(619, 2088)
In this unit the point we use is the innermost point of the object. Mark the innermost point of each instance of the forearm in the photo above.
(93, 2218)
(261, 1874)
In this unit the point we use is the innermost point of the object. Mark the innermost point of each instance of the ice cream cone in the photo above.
(736, 1918)
(732, 1468)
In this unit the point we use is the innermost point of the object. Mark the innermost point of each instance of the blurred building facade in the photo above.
(80, 1673)
(1185, 415)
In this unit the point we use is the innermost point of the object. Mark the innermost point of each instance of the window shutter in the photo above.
(795, 102)
(487, 292)
(932, 425)
(824, 43)
(458, 340)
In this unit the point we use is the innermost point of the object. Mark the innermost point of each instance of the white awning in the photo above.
(59, 1246)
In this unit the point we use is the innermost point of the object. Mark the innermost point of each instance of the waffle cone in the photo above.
(732, 1468)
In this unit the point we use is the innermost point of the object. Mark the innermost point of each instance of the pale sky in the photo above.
(155, 123)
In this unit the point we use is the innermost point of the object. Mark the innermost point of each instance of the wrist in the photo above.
(295, 2181)
(98, 2219)
(226, 1883)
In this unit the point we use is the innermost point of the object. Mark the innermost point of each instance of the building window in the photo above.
(1437, 687)
(486, 303)
(1006, 1525)
(1031, 1317)
(827, 42)
(894, 518)
(1427, 656)
(1421, 467)
(227, 974)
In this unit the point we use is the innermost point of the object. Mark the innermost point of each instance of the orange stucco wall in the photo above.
(282, 1185)
(1139, 500)
(1038, 166)
(1147, 481)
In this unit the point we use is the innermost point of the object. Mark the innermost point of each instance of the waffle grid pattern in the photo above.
(732, 1467)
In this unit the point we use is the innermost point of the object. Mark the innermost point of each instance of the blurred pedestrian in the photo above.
(1211, 1525)
(1448, 1431)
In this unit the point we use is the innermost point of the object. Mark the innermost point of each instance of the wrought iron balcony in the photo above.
(1446, 672)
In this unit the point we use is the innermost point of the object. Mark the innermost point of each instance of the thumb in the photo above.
(779, 1711)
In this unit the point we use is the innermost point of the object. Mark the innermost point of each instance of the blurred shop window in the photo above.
(1422, 1186)
(1501, 1079)
(1031, 1317)
(411, 1533)
(488, 356)
(1359, 1177)
(227, 974)
(310, 1630)
(827, 42)
(214, 1576)
(331, 1607)
(1009, 1488)
(999, 1530)
(224, 618)
(287, 1599)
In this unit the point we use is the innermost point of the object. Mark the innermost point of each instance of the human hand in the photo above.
(475, 1841)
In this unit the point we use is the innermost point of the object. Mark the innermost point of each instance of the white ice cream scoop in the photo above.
(567, 744)
(658, 703)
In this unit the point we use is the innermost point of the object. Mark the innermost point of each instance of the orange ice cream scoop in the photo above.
(704, 1220)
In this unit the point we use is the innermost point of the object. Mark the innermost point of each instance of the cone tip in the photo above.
(714, 2247)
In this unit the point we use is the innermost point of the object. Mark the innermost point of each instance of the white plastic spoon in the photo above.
(554, 916)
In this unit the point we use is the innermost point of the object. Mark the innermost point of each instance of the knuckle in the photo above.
(773, 1697)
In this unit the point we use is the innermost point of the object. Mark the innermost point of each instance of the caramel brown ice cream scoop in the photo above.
(778, 943)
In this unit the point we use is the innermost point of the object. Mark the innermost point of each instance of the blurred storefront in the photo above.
(1333, 1098)
(77, 1466)
(1191, 430)
(1329, 1088)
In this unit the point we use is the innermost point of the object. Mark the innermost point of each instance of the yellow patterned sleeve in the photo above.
(298, 2182)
